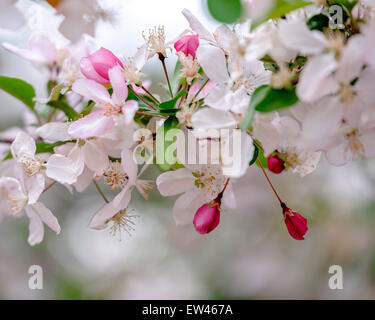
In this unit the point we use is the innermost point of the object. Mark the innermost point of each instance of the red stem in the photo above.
(269, 181)
(140, 98)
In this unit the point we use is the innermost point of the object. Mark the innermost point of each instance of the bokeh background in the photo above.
(249, 256)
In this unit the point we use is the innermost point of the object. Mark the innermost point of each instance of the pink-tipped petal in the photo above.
(93, 125)
(120, 89)
(129, 110)
(98, 64)
(91, 90)
(188, 45)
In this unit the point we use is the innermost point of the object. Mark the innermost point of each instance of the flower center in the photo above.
(354, 145)
(156, 40)
(115, 176)
(15, 204)
(209, 180)
(111, 110)
(347, 93)
(31, 166)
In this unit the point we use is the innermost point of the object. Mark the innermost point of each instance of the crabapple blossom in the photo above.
(275, 164)
(188, 45)
(280, 93)
(96, 66)
(207, 217)
(102, 120)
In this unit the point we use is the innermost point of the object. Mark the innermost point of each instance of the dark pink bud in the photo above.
(188, 45)
(207, 217)
(295, 223)
(96, 65)
(275, 164)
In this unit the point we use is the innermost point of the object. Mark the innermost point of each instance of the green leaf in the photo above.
(176, 80)
(318, 22)
(64, 107)
(270, 99)
(280, 9)
(262, 159)
(19, 89)
(255, 156)
(132, 96)
(257, 97)
(162, 144)
(227, 11)
(170, 103)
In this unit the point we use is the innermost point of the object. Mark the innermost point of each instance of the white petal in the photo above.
(120, 202)
(46, 216)
(36, 228)
(96, 159)
(54, 131)
(213, 62)
(84, 180)
(338, 155)
(351, 60)
(297, 36)
(175, 182)
(129, 110)
(187, 205)
(229, 197)
(35, 186)
(62, 169)
(129, 164)
(197, 27)
(316, 80)
(209, 118)
(23, 145)
(92, 125)
(91, 90)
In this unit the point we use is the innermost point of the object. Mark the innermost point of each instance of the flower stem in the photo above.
(49, 186)
(140, 98)
(150, 94)
(162, 59)
(100, 191)
(151, 114)
(269, 181)
(200, 90)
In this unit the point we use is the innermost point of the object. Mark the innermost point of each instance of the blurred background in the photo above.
(249, 256)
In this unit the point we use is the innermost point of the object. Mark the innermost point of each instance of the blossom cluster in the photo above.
(293, 88)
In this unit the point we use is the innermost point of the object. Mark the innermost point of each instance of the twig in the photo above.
(140, 98)
(100, 191)
(162, 59)
(200, 90)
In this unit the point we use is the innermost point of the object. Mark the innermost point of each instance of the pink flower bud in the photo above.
(207, 217)
(188, 45)
(295, 223)
(275, 164)
(96, 65)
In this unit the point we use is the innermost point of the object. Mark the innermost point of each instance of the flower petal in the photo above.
(91, 90)
(93, 125)
(175, 182)
(120, 89)
(197, 27)
(62, 169)
(129, 165)
(213, 62)
(95, 157)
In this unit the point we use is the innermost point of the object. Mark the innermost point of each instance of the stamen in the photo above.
(122, 221)
(115, 176)
(31, 166)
